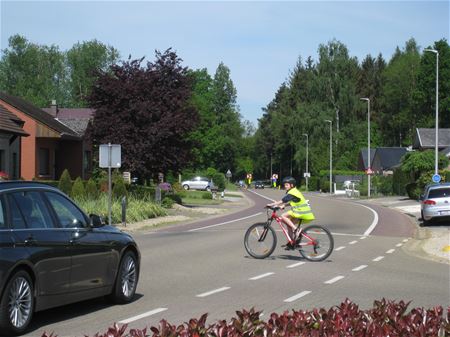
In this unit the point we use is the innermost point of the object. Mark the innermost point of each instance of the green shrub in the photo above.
(137, 209)
(167, 202)
(91, 189)
(142, 192)
(65, 182)
(399, 181)
(175, 197)
(207, 196)
(78, 190)
(119, 190)
(385, 186)
(447, 176)
(314, 183)
(413, 191)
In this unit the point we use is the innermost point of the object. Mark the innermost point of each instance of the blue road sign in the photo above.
(436, 178)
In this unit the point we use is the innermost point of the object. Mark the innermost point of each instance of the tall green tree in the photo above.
(84, 60)
(34, 72)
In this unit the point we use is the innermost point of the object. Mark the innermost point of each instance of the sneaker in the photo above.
(288, 246)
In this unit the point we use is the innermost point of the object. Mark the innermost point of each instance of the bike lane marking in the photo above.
(260, 276)
(144, 315)
(215, 291)
(295, 265)
(296, 297)
(334, 279)
(361, 267)
(225, 223)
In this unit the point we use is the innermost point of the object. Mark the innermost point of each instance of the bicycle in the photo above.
(315, 242)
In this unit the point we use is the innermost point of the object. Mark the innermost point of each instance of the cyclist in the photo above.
(301, 211)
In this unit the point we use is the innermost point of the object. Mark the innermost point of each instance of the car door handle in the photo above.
(30, 241)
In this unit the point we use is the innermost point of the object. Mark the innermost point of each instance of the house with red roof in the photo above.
(52, 144)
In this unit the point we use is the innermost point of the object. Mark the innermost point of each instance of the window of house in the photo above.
(2, 160)
(44, 161)
(87, 161)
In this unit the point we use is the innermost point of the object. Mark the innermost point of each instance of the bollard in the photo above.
(158, 194)
(124, 211)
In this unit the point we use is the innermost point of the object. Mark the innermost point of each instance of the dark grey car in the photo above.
(52, 254)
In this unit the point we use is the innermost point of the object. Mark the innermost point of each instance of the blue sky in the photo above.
(259, 41)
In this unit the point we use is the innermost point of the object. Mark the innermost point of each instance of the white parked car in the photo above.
(435, 202)
(197, 183)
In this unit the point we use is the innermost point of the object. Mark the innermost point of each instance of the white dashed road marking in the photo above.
(260, 276)
(390, 251)
(145, 314)
(339, 248)
(296, 297)
(295, 265)
(361, 267)
(399, 245)
(352, 242)
(335, 279)
(215, 291)
(379, 258)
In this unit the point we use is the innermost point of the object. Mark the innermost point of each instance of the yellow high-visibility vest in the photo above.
(301, 209)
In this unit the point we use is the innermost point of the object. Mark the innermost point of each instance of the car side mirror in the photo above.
(96, 220)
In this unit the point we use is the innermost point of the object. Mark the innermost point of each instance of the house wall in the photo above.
(28, 144)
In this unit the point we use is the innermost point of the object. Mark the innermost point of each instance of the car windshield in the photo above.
(439, 193)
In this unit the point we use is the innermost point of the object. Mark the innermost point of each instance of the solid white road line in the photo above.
(374, 222)
(361, 267)
(215, 291)
(145, 314)
(295, 265)
(262, 196)
(390, 251)
(296, 297)
(224, 223)
(353, 242)
(260, 276)
(335, 279)
(379, 258)
(339, 248)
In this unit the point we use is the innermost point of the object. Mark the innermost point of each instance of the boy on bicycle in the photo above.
(300, 212)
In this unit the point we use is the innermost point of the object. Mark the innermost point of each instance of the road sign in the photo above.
(436, 178)
(228, 174)
(369, 171)
(306, 175)
(110, 156)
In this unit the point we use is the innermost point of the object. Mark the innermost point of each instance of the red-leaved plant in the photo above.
(386, 318)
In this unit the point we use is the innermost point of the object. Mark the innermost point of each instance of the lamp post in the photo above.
(436, 169)
(369, 162)
(331, 154)
(307, 170)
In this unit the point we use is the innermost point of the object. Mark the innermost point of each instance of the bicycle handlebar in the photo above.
(273, 208)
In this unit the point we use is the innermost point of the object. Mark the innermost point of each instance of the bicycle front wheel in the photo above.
(260, 240)
(316, 243)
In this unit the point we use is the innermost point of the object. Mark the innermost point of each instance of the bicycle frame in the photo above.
(279, 220)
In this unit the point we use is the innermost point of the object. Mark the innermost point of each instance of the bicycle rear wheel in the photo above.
(316, 243)
(260, 240)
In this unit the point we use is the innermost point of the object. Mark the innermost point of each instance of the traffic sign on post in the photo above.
(436, 178)
(369, 171)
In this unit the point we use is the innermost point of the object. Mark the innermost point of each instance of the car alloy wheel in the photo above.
(128, 279)
(20, 302)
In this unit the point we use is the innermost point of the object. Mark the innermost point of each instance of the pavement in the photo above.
(432, 242)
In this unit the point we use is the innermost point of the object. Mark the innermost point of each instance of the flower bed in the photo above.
(386, 318)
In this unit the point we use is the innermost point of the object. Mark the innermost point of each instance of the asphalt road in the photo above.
(202, 267)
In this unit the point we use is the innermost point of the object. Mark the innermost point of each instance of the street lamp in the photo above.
(437, 112)
(307, 149)
(331, 153)
(369, 162)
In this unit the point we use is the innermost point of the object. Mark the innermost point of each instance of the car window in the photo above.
(68, 214)
(17, 221)
(439, 193)
(2, 215)
(33, 209)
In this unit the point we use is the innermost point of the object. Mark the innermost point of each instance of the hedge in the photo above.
(386, 318)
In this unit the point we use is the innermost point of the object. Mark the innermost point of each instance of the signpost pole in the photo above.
(109, 183)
